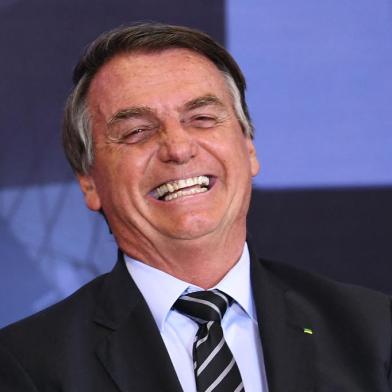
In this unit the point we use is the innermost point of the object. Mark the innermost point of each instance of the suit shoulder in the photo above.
(297, 278)
(323, 291)
(348, 322)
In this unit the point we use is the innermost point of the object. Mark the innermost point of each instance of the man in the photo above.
(158, 133)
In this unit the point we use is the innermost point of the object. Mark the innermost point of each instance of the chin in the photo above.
(192, 229)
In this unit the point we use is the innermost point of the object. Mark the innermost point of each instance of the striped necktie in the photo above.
(214, 364)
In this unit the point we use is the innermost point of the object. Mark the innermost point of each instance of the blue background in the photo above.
(320, 93)
(320, 88)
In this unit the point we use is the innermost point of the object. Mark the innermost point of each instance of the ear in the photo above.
(90, 193)
(254, 162)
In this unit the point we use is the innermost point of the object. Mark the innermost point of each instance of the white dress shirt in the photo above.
(178, 331)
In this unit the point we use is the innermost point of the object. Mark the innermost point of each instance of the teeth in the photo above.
(186, 192)
(170, 187)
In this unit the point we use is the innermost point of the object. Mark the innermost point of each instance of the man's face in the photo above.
(171, 161)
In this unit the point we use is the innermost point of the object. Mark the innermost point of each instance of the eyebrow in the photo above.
(205, 100)
(133, 112)
(140, 111)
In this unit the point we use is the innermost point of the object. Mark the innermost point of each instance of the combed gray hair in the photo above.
(246, 123)
(148, 37)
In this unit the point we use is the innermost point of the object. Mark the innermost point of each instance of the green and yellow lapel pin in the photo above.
(308, 331)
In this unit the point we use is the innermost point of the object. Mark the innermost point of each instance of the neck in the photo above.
(202, 261)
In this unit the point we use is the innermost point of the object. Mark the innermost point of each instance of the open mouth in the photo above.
(184, 187)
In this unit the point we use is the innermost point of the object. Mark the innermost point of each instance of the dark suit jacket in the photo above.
(103, 338)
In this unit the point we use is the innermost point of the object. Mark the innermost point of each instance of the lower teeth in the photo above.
(181, 193)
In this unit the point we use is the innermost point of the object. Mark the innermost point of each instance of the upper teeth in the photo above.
(173, 186)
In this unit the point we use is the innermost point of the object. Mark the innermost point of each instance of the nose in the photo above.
(177, 145)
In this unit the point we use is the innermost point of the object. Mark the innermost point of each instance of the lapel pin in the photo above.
(308, 331)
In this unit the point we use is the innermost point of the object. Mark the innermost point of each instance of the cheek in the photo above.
(118, 163)
(132, 173)
(238, 153)
(229, 148)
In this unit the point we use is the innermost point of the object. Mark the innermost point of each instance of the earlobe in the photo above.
(254, 162)
(90, 193)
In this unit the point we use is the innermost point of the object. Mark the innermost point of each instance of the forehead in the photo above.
(169, 77)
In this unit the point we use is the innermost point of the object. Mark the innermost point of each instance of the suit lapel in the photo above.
(288, 350)
(134, 355)
(132, 351)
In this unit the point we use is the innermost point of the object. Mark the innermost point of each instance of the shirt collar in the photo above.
(152, 281)
(237, 284)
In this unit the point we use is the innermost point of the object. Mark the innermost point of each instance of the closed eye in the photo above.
(203, 121)
(132, 136)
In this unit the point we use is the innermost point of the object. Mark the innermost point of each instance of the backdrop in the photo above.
(320, 90)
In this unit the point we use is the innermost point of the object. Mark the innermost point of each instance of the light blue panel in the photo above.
(51, 244)
(320, 88)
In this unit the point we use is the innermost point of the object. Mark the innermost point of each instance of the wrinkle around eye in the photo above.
(205, 121)
(132, 136)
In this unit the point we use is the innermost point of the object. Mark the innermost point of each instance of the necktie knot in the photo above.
(203, 306)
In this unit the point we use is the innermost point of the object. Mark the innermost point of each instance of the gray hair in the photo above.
(147, 38)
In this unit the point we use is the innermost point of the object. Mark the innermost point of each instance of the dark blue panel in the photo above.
(342, 233)
(50, 244)
(41, 41)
